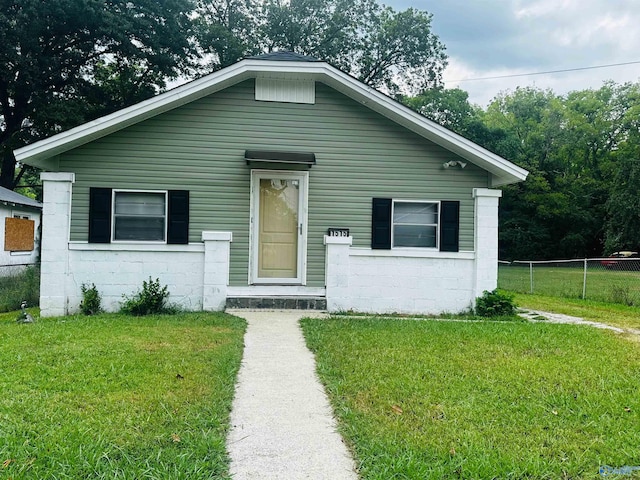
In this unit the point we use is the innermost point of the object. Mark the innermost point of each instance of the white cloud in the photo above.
(506, 37)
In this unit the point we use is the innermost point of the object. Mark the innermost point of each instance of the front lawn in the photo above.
(430, 399)
(113, 396)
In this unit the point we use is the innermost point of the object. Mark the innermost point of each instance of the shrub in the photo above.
(91, 301)
(151, 299)
(22, 286)
(495, 304)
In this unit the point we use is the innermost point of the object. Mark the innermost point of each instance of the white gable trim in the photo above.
(42, 154)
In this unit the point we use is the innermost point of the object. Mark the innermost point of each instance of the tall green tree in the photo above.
(66, 61)
(394, 51)
(623, 205)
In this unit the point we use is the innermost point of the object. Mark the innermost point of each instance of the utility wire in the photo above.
(544, 73)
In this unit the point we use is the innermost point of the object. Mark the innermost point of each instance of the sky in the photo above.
(488, 38)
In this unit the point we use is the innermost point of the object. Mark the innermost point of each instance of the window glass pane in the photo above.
(415, 213)
(414, 236)
(139, 216)
(134, 203)
(137, 228)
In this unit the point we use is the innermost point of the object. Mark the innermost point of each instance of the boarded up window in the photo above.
(18, 234)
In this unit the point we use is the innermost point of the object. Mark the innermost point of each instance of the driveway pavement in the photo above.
(282, 425)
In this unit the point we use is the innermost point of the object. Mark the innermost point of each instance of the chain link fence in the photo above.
(615, 280)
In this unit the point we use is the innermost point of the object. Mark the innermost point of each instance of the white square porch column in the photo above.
(337, 272)
(486, 239)
(54, 259)
(217, 248)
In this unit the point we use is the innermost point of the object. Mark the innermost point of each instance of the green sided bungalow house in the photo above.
(280, 182)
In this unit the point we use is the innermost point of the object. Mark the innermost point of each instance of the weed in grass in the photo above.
(151, 299)
(91, 303)
(496, 303)
(480, 400)
(23, 286)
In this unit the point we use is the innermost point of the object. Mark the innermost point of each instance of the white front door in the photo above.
(278, 227)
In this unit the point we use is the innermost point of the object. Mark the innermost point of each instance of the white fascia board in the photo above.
(38, 153)
(502, 171)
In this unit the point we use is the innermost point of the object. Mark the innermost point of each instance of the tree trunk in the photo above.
(7, 174)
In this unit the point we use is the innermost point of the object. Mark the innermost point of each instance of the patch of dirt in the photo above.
(538, 316)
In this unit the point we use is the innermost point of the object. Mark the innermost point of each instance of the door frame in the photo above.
(254, 227)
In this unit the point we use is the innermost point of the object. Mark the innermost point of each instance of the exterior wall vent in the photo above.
(285, 90)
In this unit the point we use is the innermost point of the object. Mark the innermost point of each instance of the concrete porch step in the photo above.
(278, 303)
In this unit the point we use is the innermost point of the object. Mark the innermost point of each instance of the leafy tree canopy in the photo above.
(67, 61)
(583, 154)
(386, 49)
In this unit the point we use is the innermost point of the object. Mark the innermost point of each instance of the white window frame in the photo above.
(113, 215)
(437, 224)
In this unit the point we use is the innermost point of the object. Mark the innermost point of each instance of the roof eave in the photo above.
(42, 154)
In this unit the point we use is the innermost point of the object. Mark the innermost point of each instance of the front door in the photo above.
(278, 226)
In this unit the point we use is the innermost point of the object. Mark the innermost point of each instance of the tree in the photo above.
(388, 50)
(623, 205)
(557, 212)
(67, 61)
(227, 31)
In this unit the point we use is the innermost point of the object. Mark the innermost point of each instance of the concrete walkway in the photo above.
(281, 423)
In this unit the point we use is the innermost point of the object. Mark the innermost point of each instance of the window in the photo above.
(415, 224)
(139, 216)
(19, 234)
(125, 215)
(420, 224)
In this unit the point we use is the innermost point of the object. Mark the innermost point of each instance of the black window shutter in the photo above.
(381, 224)
(99, 215)
(178, 223)
(449, 226)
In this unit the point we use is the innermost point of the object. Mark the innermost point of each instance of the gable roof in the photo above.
(11, 198)
(44, 154)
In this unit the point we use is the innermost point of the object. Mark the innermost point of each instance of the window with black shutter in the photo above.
(139, 216)
(415, 224)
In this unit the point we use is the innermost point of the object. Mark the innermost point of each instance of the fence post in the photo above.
(584, 281)
(531, 277)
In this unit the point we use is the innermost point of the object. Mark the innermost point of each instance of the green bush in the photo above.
(151, 299)
(91, 301)
(23, 286)
(495, 304)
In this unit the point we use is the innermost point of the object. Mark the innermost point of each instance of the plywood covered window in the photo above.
(19, 234)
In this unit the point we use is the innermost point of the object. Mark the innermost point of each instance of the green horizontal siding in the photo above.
(200, 147)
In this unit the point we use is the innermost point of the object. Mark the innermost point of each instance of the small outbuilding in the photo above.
(20, 220)
(279, 181)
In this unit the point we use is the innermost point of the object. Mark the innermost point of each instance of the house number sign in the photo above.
(338, 232)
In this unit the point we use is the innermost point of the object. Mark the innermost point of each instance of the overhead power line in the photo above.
(544, 73)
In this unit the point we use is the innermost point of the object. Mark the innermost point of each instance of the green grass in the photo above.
(443, 400)
(113, 396)
(618, 315)
(21, 286)
(602, 285)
